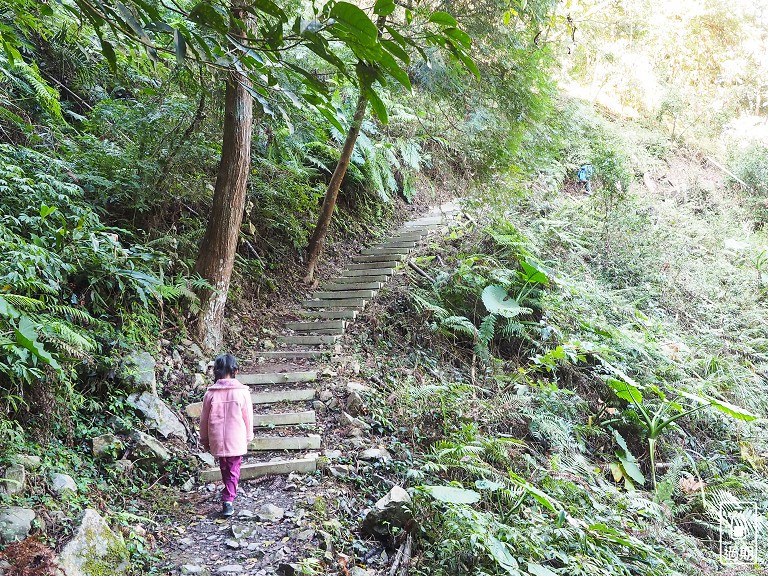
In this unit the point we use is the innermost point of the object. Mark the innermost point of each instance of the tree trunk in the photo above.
(332, 192)
(216, 258)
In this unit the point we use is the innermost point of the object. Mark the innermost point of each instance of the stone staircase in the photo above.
(287, 438)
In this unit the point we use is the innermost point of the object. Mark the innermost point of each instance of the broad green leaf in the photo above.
(534, 274)
(355, 21)
(501, 553)
(384, 7)
(498, 301)
(7, 310)
(451, 494)
(725, 407)
(539, 570)
(459, 35)
(631, 469)
(395, 49)
(616, 471)
(26, 337)
(442, 18)
(488, 485)
(109, 53)
(625, 391)
(209, 16)
(180, 46)
(46, 210)
(378, 106)
(390, 65)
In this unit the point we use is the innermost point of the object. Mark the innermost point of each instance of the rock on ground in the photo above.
(391, 511)
(94, 550)
(61, 483)
(29, 461)
(147, 448)
(107, 446)
(14, 479)
(15, 523)
(137, 372)
(270, 513)
(157, 415)
(355, 404)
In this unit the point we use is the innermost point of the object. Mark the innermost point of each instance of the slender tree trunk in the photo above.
(216, 258)
(332, 192)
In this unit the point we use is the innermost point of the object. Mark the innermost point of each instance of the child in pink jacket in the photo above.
(226, 425)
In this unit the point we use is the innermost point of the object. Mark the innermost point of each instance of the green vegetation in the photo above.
(576, 385)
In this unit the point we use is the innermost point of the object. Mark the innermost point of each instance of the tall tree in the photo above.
(216, 258)
(378, 48)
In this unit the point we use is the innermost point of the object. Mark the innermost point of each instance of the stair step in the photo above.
(330, 314)
(338, 295)
(291, 354)
(195, 409)
(283, 418)
(267, 443)
(248, 471)
(385, 251)
(314, 326)
(407, 236)
(278, 377)
(275, 396)
(311, 340)
(396, 244)
(377, 258)
(382, 279)
(353, 286)
(366, 272)
(372, 265)
(346, 303)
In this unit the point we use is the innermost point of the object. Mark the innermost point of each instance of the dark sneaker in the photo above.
(227, 509)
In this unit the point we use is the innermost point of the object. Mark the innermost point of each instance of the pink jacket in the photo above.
(226, 424)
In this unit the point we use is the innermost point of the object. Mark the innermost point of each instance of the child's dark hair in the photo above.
(224, 365)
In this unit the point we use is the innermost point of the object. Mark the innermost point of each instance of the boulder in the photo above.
(29, 461)
(194, 569)
(123, 466)
(392, 511)
(94, 550)
(137, 372)
(270, 513)
(358, 388)
(157, 415)
(15, 523)
(355, 404)
(14, 480)
(61, 483)
(200, 381)
(347, 419)
(148, 449)
(107, 446)
(379, 454)
(206, 459)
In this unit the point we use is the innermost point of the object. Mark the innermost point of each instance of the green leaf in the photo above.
(451, 494)
(442, 18)
(109, 53)
(534, 274)
(269, 7)
(459, 35)
(395, 49)
(7, 310)
(726, 407)
(488, 485)
(390, 65)
(356, 22)
(539, 570)
(379, 108)
(46, 211)
(26, 337)
(180, 45)
(501, 553)
(625, 391)
(384, 7)
(207, 16)
(498, 301)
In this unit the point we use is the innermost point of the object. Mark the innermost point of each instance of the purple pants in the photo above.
(230, 475)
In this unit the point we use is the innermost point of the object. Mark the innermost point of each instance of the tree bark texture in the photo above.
(332, 192)
(216, 258)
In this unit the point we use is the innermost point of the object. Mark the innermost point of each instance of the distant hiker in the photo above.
(226, 425)
(585, 175)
